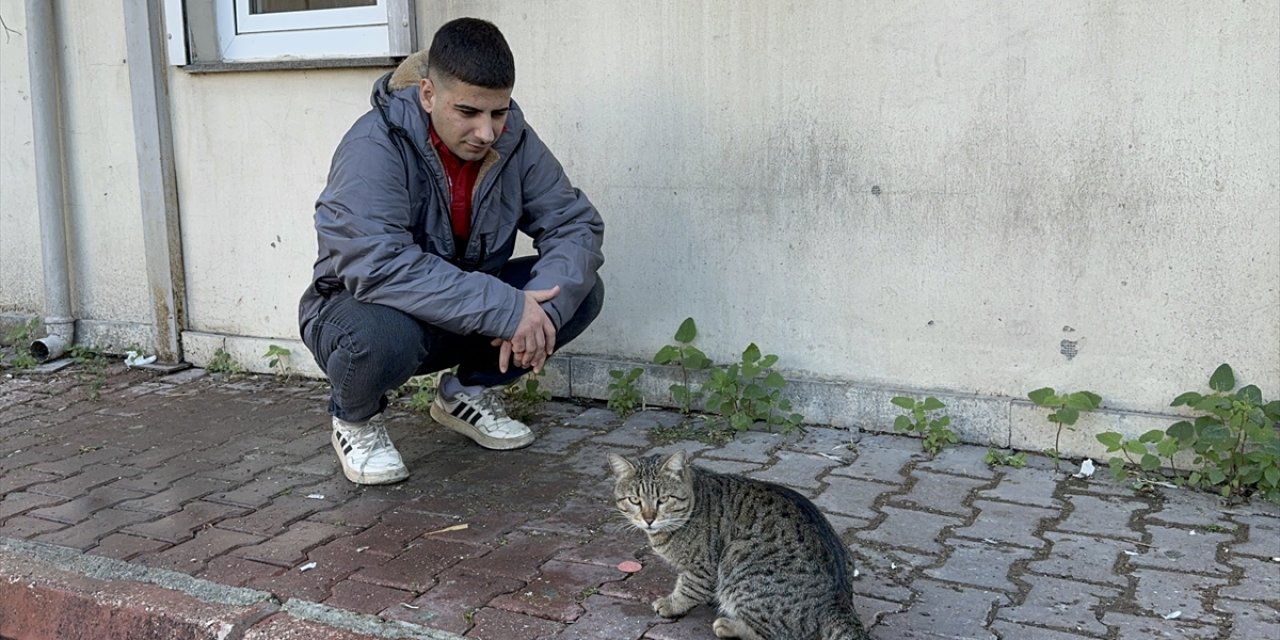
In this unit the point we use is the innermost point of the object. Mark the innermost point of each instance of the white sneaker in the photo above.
(366, 452)
(482, 418)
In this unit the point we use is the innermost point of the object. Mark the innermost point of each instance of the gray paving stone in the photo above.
(1262, 536)
(1131, 626)
(729, 466)
(848, 496)
(1014, 524)
(963, 460)
(1182, 550)
(1260, 582)
(750, 446)
(939, 492)
(879, 463)
(1249, 621)
(1192, 508)
(912, 529)
(1081, 557)
(796, 469)
(978, 564)
(1060, 604)
(1035, 487)
(942, 611)
(1161, 593)
(825, 441)
(1101, 515)
(1014, 631)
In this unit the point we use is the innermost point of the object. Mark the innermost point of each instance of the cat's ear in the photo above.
(675, 463)
(622, 468)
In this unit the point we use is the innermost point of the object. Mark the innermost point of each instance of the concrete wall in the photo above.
(104, 229)
(974, 199)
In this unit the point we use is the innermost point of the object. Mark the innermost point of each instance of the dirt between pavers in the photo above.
(235, 482)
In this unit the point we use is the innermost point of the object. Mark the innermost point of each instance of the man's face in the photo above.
(467, 118)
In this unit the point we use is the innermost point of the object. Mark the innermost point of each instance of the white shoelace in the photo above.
(372, 440)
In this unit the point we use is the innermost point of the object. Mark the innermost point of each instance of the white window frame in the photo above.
(228, 33)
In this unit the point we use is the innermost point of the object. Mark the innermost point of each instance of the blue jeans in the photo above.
(370, 349)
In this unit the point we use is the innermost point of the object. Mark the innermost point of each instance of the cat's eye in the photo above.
(633, 499)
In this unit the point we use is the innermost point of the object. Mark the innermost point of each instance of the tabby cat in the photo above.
(763, 552)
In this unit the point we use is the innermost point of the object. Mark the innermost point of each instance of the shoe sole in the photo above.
(481, 438)
(359, 477)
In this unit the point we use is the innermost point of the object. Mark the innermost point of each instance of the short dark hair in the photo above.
(473, 51)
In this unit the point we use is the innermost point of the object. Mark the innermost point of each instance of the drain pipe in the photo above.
(46, 107)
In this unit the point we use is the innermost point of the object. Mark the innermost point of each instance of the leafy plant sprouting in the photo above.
(1066, 411)
(690, 358)
(222, 362)
(624, 397)
(278, 360)
(1235, 441)
(96, 367)
(526, 395)
(996, 457)
(750, 391)
(918, 420)
(420, 390)
(19, 336)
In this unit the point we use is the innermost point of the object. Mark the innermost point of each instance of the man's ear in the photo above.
(427, 94)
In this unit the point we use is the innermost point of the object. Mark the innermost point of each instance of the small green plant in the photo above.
(525, 395)
(95, 364)
(624, 397)
(690, 358)
(222, 362)
(936, 431)
(278, 360)
(750, 391)
(996, 457)
(421, 391)
(19, 337)
(1235, 442)
(1066, 411)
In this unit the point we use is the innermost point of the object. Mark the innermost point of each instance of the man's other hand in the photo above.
(535, 338)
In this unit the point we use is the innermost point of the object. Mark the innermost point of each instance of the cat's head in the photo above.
(653, 493)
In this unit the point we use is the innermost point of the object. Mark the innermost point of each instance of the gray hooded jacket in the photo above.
(384, 235)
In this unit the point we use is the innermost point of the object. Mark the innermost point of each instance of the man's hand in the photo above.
(535, 338)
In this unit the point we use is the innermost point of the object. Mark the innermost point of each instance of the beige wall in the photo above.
(104, 228)
(922, 195)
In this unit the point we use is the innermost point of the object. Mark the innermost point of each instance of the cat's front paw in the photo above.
(666, 607)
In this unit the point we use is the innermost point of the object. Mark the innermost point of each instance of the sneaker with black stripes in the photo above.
(366, 452)
(482, 418)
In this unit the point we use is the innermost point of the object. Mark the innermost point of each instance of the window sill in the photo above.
(388, 62)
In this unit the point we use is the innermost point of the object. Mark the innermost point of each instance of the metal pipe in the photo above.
(46, 125)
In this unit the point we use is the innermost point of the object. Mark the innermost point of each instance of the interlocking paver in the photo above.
(853, 497)
(1131, 626)
(86, 534)
(1107, 515)
(1081, 557)
(365, 598)
(1161, 593)
(180, 526)
(234, 482)
(796, 470)
(1263, 536)
(1249, 621)
(290, 548)
(980, 564)
(557, 591)
(942, 611)
(940, 493)
(454, 599)
(1182, 550)
(912, 529)
(500, 624)
(1061, 604)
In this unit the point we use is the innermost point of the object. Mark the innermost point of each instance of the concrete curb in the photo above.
(54, 592)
